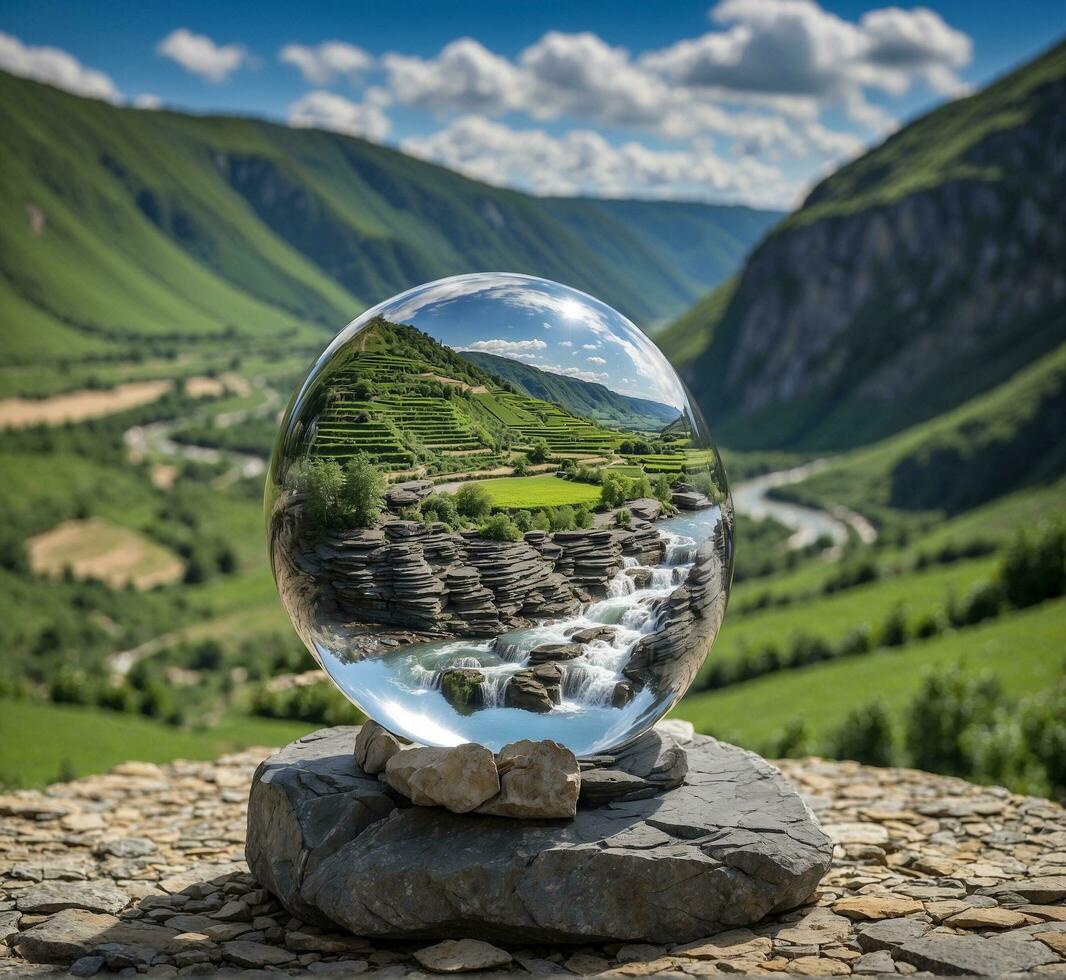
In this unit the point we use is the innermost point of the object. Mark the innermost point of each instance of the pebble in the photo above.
(461, 956)
(931, 873)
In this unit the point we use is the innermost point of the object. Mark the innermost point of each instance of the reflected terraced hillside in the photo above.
(494, 514)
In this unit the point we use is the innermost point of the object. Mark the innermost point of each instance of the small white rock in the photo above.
(459, 778)
(538, 780)
(374, 746)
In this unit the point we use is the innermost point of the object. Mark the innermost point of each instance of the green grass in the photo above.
(41, 743)
(521, 492)
(918, 594)
(1024, 651)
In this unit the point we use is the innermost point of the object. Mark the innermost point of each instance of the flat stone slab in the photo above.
(730, 845)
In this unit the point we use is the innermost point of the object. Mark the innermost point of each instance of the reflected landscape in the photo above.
(494, 514)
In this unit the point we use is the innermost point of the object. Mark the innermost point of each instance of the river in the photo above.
(808, 524)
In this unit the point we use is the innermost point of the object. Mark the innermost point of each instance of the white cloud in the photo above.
(566, 343)
(583, 161)
(573, 372)
(796, 49)
(200, 55)
(465, 76)
(55, 67)
(146, 100)
(327, 110)
(589, 346)
(325, 63)
(596, 360)
(508, 348)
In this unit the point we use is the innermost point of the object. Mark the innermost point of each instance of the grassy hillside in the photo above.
(995, 444)
(118, 225)
(914, 279)
(1023, 651)
(594, 401)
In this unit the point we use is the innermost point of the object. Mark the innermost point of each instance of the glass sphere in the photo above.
(495, 513)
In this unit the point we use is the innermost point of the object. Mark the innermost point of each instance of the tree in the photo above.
(363, 493)
(613, 490)
(539, 451)
(663, 490)
(322, 485)
(473, 500)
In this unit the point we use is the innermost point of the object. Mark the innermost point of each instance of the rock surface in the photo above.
(731, 845)
(946, 843)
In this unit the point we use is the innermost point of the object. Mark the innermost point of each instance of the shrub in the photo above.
(624, 517)
(523, 520)
(441, 507)
(894, 630)
(864, 736)
(499, 527)
(539, 452)
(582, 516)
(561, 518)
(947, 704)
(472, 500)
(1033, 571)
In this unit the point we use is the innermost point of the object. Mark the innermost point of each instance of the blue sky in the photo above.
(736, 101)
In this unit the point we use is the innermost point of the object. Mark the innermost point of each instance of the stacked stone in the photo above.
(643, 542)
(440, 547)
(521, 581)
(382, 582)
(687, 497)
(665, 655)
(408, 494)
(470, 605)
(590, 558)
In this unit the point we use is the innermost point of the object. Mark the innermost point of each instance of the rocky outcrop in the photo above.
(861, 312)
(730, 845)
(426, 578)
(538, 689)
(461, 688)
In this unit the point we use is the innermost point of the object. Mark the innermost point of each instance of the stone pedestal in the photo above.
(645, 859)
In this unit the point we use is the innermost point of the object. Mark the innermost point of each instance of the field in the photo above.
(1024, 651)
(95, 548)
(76, 406)
(538, 491)
(70, 741)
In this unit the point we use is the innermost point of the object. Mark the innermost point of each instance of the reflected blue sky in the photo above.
(538, 322)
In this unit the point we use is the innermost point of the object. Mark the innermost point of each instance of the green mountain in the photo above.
(998, 442)
(585, 398)
(124, 229)
(912, 280)
(703, 243)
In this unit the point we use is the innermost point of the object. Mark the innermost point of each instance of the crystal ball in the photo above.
(494, 512)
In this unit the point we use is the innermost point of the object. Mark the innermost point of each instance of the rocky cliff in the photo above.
(925, 273)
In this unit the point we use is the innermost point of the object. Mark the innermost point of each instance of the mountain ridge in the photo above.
(589, 399)
(915, 278)
(120, 225)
